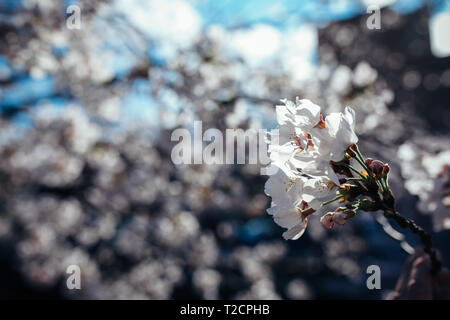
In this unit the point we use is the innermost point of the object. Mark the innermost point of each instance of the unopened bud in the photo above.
(327, 220)
(368, 161)
(376, 167)
(339, 218)
(386, 169)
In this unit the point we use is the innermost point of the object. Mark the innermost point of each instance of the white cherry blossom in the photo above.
(294, 198)
(341, 128)
(307, 142)
(287, 203)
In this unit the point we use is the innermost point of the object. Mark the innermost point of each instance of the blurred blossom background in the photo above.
(86, 176)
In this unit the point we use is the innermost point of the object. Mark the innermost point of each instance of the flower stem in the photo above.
(353, 169)
(384, 187)
(360, 158)
(361, 161)
(330, 201)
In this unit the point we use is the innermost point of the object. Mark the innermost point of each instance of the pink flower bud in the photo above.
(340, 218)
(386, 169)
(368, 161)
(327, 220)
(376, 166)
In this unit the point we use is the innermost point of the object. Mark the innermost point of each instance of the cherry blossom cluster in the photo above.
(317, 163)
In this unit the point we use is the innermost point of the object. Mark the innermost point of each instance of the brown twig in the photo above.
(425, 237)
(387, 204)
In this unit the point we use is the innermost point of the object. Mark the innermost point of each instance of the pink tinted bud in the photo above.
(339, 217)
(368, 161)
(386, 169)
(327, 220)
(376, 166)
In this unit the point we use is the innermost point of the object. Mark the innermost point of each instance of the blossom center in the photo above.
(303, 145)
(321, 123)
(304, 210)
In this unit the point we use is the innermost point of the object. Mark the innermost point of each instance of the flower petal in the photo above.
(295, 232)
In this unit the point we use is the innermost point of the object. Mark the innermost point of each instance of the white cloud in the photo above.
(263, 46)
(299, 48)
(174, 22)
(256, 45)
